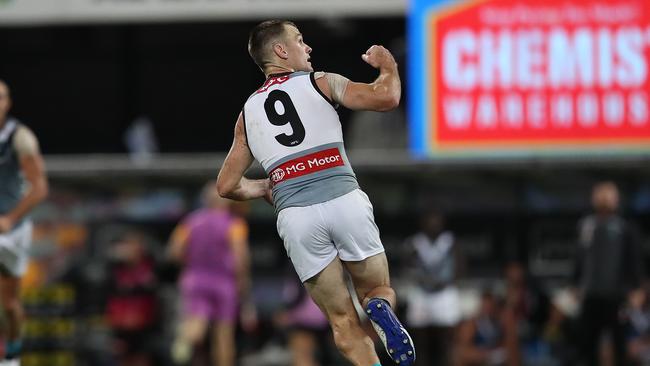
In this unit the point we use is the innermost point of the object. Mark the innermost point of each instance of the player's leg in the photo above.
(194, 322)
(371, 279)
(13, 312)
(329, 291)
(223, 343)
(352, 223)
(372, 284)
(308, 242)
(14, 256)
(191, 333)
(224, 312)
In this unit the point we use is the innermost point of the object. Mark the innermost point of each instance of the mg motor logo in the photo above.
(277, 175)
(307, 164)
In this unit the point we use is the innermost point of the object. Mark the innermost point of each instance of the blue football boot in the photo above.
(396, 339)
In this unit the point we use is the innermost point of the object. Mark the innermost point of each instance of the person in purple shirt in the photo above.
(211, 243)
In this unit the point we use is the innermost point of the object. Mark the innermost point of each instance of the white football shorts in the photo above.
(315, 235)
(14, 249)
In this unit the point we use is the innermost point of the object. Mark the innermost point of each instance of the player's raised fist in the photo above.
(378, 56)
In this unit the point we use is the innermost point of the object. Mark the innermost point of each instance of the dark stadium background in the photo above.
(80, 87)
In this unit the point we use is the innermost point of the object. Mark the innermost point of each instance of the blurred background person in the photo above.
(608, 266)
(528, 306)
(211, 244)
(485, 338)
(132, 306)
(433, 303)
(307, 329)
(20, 162)
(141, 141)
(637, 327)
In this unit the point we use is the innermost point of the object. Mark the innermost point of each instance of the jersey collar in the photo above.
(279, 74)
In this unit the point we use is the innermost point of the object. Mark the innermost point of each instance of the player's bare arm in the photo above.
(381, 95)
(178, 243)
(33, 169)
(238, 241)
(231, 182)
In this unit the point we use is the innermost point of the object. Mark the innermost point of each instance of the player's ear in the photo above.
(280, 51)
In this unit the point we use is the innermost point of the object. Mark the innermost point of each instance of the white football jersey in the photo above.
(294, 132)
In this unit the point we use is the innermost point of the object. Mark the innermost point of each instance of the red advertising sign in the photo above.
(540, 73)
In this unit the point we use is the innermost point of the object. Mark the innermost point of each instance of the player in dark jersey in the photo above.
(20, 160)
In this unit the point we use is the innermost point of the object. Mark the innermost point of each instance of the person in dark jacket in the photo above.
(609, 266)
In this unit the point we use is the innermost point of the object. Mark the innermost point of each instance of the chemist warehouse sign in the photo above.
(535, 77)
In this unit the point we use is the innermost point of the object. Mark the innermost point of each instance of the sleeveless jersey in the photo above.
(295, 133)
(208, 255)
(11, 180)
